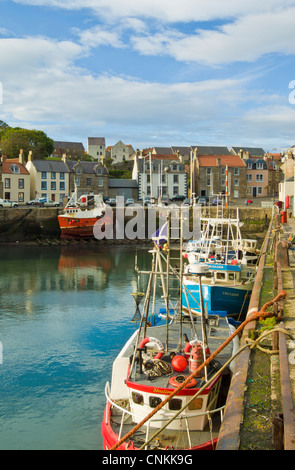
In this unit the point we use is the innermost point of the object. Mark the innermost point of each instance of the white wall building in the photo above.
(159, 175)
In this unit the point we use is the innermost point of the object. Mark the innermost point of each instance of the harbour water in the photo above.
(64, 315)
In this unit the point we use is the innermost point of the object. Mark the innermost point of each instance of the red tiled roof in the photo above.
(10, 161)
(211, 160)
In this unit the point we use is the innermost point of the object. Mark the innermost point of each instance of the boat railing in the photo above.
(128, 413)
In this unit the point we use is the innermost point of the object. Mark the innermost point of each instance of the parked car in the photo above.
(202, 201)
(186, 202)
(216, 201)
(111, 201)
(38, 201)
(50, 203)
(7, 203)
(178, 198)
(146, 201)
(165, 200)
(129, 201)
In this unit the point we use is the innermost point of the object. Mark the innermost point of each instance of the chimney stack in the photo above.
(21, 157)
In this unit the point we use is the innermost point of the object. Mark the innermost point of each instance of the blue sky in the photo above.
(150, 72)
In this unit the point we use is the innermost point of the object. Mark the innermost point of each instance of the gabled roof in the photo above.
(68, 145)
(209, 150)
(253, 151)
(162, 150)
(50, 165)
(87, 167)
(6, 167)
(221, 160)
(96, 140)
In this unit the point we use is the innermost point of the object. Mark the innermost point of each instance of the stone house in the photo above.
(119, 152)
(211, 177)
(87, 177)
(96, 147)
(73, 150)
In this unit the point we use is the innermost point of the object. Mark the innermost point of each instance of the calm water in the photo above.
(64, 315)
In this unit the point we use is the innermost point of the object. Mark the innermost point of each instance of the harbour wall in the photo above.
(29, 224)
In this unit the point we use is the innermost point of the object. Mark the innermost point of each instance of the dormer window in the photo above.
(78, 170)
(14, 168)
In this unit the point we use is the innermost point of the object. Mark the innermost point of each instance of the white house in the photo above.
(49, 179)
(119, 152)
(159, 175)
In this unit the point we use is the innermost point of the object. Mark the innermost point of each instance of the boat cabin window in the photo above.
(231, 276)
(175, 404)
(137, 398)
(154, 401)
(196, 404)
(220, 275)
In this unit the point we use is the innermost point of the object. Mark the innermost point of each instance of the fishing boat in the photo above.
(79, 217)
(231, 262)
(158, 398)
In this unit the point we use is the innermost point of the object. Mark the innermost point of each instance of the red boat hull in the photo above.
(110, 438)
(72, 227)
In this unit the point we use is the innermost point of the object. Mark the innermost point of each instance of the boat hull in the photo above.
(111, 438)
(75, 227)
(230, 299)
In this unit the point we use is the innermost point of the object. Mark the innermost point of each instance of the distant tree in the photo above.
(14, 139)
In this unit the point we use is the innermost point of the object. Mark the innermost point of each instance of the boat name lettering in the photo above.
(157, 390)
(231, 294)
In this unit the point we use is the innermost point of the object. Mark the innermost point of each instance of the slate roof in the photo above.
(47, 165)
(87, 167)
(96, 141)
(69, 145)
(253, 151)
(209, 150)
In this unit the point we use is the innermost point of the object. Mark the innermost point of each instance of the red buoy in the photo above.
(179, 363)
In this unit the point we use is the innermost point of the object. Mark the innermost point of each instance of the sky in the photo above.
(151, 72)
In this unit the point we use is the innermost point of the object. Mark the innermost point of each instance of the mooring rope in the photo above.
(255, 316)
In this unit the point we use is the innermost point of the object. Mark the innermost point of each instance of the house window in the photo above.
(249, 191)
(208, 181)
(43, 185)
(236, 171)
(100, 181)
(249, 178)
(62, 175)
(148, 178)
(223, 171)
(21, 197)
(21, 183)
(14, 168)
(236, 182)
(175, 179)
(99, 171)
(249, 166)
(222, 181)
(208, 171)
(259, 178)
(61, 186)
(259, 166)
(175, 190)
(53, 186)
(88, 181)
(78, 171)
(259, 190)
(43, 175)
(53, 175)
(7, 183)
(77, 181)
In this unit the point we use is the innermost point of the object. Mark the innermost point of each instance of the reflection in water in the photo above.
(64, 315)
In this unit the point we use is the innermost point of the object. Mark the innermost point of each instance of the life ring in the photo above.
(188, 347)
(179, 379)
(155, 341)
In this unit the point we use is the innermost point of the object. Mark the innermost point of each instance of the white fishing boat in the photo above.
(158, 398)
(231, 263)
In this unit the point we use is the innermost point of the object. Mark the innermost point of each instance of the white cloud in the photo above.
(165, 10)
(247, 39)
